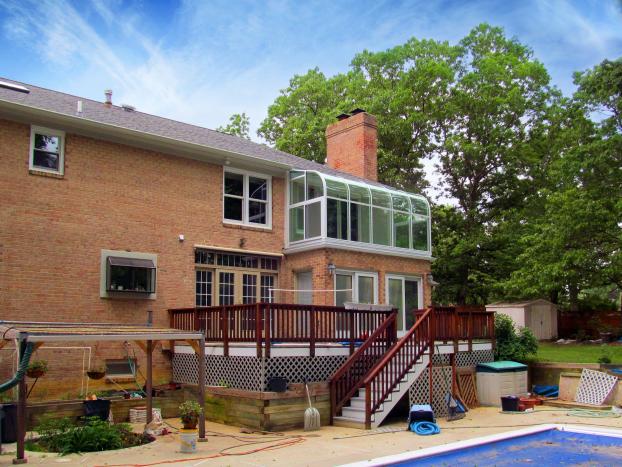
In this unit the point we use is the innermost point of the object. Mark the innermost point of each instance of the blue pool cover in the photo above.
(551, 447)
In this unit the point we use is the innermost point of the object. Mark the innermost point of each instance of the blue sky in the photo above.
(199, 61)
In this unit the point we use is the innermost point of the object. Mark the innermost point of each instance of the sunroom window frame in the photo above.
(246, 199)
(347, 243)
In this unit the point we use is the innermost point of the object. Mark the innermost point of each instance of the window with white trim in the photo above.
(47, 148)
(247, 198)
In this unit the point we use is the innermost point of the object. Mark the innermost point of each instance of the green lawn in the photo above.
(577, 353)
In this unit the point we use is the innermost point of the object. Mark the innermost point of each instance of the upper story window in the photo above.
(47, 149)
(334, 209)
(247, 198)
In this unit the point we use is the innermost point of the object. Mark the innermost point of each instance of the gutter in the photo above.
(174, 145)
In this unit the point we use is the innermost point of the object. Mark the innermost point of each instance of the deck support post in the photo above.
(149, 382)
(20, 457)
(201, 362)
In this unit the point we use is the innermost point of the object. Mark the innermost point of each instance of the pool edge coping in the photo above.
(482, 440)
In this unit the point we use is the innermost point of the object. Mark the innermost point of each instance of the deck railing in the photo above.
(267, 323)
(462, 323)
(398, 361)
(349, 378)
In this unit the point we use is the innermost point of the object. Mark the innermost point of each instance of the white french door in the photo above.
(406, 294)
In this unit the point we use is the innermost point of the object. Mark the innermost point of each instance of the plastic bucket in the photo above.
(97, 408)
(509, 403)
(188, 440)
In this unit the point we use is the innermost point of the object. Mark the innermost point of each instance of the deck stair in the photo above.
(380, 372)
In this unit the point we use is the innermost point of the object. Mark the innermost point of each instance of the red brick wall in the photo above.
(318, 261)
(351, 146)
(111, 197)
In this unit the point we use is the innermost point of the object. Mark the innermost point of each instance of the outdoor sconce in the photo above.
(431, 281)
(331, 269)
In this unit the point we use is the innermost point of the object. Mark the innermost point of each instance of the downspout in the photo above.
(26, 352)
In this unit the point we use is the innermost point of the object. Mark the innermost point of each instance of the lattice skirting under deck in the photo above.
(419, 392)
(252, 373)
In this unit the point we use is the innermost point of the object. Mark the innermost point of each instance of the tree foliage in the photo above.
(535, 177)
(239, 125)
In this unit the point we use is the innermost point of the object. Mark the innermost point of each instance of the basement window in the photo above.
(121, 368)
(130, 275)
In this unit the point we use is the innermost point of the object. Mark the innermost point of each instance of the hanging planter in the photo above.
(37, 368)
(97, 373)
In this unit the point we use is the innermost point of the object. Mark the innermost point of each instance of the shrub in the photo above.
(605, 357)
(189, 412)
(66, 437)
(515, 345)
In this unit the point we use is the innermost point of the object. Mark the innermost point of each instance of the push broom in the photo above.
(312, 415)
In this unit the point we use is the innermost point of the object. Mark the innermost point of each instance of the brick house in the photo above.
(112, 215)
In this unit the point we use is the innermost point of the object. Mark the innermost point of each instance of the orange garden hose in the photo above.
(283, 444)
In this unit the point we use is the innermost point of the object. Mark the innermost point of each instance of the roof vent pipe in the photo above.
(108, 93)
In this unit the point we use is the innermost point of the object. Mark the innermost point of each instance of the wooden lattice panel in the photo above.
(467, 388)
(594, 387)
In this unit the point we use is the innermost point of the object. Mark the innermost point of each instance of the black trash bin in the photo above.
(509, 403)
(97, 408)
(9, 423)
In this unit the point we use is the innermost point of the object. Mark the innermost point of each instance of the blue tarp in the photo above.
(546, 391)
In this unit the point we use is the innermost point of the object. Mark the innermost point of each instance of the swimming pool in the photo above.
(537, 446)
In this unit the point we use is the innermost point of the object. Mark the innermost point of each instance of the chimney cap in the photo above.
(343, 116)
(358, 110)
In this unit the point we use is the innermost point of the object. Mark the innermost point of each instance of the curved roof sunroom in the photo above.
(340, 212)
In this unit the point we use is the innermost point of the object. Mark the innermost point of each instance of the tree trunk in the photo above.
(573, 296)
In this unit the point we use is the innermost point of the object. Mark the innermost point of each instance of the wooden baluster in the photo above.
(268, 320)
(351, 318)
(312, 332)
(258, 330)
(224, 313)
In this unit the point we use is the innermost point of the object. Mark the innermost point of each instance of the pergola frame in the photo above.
(38, 333)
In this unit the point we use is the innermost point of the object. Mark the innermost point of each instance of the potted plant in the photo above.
(189, 412)
(97, 372)
(37, 368)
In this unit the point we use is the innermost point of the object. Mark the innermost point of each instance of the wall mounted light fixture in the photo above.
(331, 269)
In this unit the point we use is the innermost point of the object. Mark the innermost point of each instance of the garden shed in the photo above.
(538, 315)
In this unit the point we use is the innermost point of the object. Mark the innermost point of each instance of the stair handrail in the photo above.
(343, 388)
(416, 341)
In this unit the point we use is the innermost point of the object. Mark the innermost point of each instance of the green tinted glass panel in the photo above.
(296, 224)
(400, 203)
(381, 226)
(419, 206)
(336, 189)
(381, 198)
(313, 223)
(359, 194)
(420, 232)
(401, 229)
(296, 189)
(359, 222)
(337, 219)
(315, 187)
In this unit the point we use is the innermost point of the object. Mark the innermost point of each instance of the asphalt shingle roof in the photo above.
(66, 104)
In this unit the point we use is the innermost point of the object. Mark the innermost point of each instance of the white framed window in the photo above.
(47, 150)
(247, 198)
(355, 286)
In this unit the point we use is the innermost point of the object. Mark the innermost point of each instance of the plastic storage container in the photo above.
(497, 379)
(509, 403)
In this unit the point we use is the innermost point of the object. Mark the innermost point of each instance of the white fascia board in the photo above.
(318, 243)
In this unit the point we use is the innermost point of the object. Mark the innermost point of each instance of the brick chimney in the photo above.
(351, 144)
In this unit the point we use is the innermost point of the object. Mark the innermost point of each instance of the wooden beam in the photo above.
(20, 457)
(149, 384)
(195, 345)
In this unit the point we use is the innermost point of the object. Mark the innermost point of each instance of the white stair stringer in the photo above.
(354, 414)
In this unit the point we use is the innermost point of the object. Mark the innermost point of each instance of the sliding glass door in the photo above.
(405, 294)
